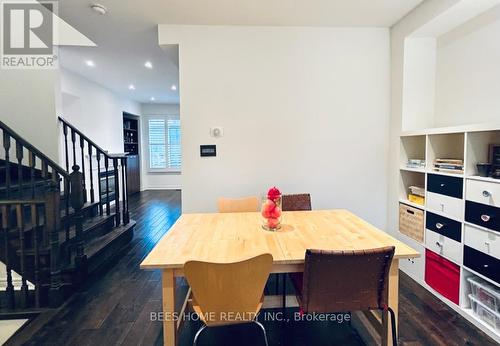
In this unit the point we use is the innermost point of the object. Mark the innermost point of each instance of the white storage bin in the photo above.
(484, 313)
(485, 292)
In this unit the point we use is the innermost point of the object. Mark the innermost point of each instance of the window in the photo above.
(164, 135)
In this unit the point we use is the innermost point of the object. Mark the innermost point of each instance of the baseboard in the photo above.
(170, 187)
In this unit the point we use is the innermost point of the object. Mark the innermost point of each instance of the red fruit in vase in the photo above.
(276, 213)
(267, 208)
(273, 223)
(273, 194)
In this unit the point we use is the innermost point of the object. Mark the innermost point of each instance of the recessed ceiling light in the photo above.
(173, 87)
(131, 87)
(152, 98)
(89, 63)
(148, 64)
(99, 8)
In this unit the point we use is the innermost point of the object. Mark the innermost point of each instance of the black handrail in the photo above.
(34, 150)
(90, 141)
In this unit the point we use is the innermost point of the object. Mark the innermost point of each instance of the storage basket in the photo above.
(485, 292)
(484, 313)
(411, 222)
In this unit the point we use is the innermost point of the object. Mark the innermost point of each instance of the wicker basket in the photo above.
(411, 222)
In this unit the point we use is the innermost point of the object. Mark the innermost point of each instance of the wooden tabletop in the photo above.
(232, 237)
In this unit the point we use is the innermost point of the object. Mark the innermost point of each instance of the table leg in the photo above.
(168, 302)
(393, 295)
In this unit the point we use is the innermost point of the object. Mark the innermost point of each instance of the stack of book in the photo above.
(455, 166)
(416, 195)
(415, 163)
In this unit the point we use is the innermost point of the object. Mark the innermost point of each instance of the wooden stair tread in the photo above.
(28, 226)
(86, 206)
(88, 225)
(95, 245)
(14, 184)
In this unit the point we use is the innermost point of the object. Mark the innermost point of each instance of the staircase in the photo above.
(57, 226)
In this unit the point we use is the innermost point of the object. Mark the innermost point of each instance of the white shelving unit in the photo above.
(470, 144)
(444, 146)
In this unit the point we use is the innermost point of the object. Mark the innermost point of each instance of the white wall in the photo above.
(419, 82)
(149, 180)
(28, 106)
(468, 72)
(305, 109)
(95, 110)
(422, 14)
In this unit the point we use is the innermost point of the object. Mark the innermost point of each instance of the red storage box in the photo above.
(442, 275)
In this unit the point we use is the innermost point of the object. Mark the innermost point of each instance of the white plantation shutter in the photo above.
(174, 143)
(164, 143)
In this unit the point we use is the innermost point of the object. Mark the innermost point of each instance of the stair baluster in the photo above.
(9, 290)
(73, 141)
(45, 170)
(19, 156)
(82, 150)
(92, 197)
(21, 230)
(117, 191)
(124, 191)
(6, 146)
(35, 222)
(32, 165)
(66, 152)
(98, 153)
(106, 166)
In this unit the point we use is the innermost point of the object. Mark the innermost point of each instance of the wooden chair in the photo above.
(344, 281)
(222, 290)
(238, 205)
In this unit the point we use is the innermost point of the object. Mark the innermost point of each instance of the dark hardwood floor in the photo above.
(115, 307)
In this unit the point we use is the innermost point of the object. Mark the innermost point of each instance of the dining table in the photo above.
(233, 237)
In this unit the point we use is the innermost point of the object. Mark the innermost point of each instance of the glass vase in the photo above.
(271, 214)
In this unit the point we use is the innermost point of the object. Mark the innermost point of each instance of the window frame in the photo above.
(147, 144)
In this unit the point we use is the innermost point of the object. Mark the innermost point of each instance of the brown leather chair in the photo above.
(344, 281)
(301, 201)
(292, 202)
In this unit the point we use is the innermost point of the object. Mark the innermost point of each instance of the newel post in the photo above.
(77, 202)
(53, 225)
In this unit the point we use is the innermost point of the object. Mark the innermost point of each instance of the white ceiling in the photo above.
(126, 36)
(380, 13)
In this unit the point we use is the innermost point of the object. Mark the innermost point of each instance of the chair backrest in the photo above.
(238, 205)
(338, 281)
(301, 201)
(229, 293)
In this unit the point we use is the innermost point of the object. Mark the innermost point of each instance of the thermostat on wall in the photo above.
(216, 132)
(208, 150)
